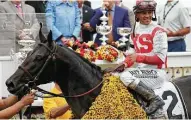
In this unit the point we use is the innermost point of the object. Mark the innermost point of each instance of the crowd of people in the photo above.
(76, 20)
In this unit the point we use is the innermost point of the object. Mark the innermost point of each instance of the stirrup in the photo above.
(159, 114)
(156, 103)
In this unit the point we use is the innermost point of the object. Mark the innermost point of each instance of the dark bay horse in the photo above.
(45, 64)
(73, 73)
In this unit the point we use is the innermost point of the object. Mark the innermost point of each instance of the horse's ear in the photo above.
(41, 36)
(50, 37)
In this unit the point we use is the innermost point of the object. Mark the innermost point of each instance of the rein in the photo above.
(61, 95)
(32, 85)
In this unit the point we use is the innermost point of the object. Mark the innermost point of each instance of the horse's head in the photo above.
(36, 65)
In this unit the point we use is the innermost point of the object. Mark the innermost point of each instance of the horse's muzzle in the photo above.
(13, 89)
(10, 86)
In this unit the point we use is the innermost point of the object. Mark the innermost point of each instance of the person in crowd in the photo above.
(176, 25)
(57, 107)
(39, 5)
(63, 18)
(87, 3)
(86, 15)
(22, 16)
(118, 17)
(148, 56)
(9, 106)
(130, 12)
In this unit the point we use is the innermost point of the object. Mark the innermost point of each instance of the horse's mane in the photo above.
(94, 68)
(88, 62)
(82, 76)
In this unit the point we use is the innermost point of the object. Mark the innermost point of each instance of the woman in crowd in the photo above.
(63, 18)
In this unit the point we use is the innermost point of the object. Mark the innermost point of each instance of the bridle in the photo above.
(32, 79)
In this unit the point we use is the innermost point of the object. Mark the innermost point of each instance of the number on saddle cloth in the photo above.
(174, 107)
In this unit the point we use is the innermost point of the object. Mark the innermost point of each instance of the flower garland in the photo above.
(92, 52)
(107, 53)
(77, 44)
(87, 54)
(114, 102)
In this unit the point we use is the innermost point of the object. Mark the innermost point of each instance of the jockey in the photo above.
(149, 42)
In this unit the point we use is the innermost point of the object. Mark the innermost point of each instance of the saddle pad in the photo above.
(174, 106)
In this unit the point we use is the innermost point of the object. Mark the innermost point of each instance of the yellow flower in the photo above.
(116, 103)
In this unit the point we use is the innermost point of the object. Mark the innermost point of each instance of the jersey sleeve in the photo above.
(160, 44)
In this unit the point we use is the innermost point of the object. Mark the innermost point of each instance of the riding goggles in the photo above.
(145, 5)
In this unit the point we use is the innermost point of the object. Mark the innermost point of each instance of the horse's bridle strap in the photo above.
(61, 95)
(26, 71)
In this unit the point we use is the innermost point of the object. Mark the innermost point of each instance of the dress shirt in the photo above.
(178, 18)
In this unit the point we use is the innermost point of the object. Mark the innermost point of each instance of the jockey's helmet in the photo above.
(144, 5)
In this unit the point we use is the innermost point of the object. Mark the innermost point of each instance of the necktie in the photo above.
(19, 9)
(110, 23)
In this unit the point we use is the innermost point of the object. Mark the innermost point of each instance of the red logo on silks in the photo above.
(143, 43)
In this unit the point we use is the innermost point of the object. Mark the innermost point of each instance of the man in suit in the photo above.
(86, 15)
(87, 3)
(119, 18)
(130, 12)
(39, 5)
(22, 16)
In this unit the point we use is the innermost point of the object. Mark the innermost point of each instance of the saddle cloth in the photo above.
(174, 107)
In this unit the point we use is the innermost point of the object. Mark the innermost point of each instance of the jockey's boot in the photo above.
(155, 102)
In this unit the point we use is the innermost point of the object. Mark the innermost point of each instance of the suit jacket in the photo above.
(87, 3)
(87, 15)
(39, 6)
(19, 21)
(120, 19)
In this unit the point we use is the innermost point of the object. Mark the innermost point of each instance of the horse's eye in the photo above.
(39, 57)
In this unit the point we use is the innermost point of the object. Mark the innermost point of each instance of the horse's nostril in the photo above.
(10, 84)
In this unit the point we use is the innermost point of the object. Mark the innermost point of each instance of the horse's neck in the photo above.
(76, 75)
(75, 71)
(76, 63)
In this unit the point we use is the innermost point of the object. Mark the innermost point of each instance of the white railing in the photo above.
(179, 64)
